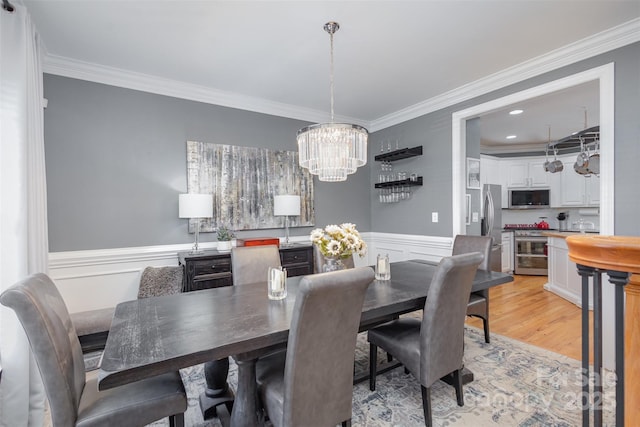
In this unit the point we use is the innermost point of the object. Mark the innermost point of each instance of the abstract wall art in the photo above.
(243, 181)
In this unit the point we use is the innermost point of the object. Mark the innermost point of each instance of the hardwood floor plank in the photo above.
(524, 311)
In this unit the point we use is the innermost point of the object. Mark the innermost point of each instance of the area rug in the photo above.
(515, 384)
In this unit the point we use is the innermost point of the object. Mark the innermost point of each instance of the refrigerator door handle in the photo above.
(490, 213)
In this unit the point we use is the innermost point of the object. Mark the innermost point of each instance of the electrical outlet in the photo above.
(434, 216)
(474, 217)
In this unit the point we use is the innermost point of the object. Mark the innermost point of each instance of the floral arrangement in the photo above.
(339, 241)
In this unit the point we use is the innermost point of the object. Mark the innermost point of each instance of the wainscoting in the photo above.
(94, 279)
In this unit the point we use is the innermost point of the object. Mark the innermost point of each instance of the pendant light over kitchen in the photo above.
(332, 150)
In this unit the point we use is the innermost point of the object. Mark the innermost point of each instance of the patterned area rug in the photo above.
(515, 384)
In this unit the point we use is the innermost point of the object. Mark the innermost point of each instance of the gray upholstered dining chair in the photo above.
(250, 264)
(318, 260)
(312, 383)
(75, 400)
(433, 347)
(478, 305)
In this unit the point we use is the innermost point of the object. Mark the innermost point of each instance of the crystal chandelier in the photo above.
(332, 150)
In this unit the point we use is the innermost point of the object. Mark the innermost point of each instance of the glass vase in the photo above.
(332, 264)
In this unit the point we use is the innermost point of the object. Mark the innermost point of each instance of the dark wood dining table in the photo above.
(152, 336)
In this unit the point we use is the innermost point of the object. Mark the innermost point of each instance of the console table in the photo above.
(619, 257)
(213, 269)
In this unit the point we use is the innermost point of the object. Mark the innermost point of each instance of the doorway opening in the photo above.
(604, 75)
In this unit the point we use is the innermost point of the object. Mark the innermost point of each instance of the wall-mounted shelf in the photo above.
(402, 183)
(403, 153)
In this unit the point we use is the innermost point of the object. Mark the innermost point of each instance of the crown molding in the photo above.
(81, 70)
(596, 44)
(602, 42)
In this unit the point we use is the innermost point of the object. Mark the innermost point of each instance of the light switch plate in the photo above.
(434, 216)
(474, 217)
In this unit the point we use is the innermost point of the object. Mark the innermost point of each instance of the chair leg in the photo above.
(457, 384)
(389, 357)
(346, 423)
(485, 323)
(426, 405)
(373, 362)
(176, 420)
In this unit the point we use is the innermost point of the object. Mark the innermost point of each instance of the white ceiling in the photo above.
(544, 119)
(389, 55)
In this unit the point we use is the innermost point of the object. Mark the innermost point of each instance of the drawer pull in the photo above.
(213, 267)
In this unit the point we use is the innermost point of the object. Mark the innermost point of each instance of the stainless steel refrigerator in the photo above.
(491, 224)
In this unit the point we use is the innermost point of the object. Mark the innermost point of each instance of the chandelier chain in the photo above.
(331, 75)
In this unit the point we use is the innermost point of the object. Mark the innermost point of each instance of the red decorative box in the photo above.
(258, 241)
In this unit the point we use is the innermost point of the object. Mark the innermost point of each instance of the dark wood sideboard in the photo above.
(213, 269)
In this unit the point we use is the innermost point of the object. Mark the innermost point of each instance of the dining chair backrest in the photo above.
(54, 343)
(319, 260)
(158, 281)
(464, 244)
(442, 329)
(250, 264)
(318, 378)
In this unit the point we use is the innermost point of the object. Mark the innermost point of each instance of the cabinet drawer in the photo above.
(208, 283)
(211, 266)
(299, 270)
(295, 257)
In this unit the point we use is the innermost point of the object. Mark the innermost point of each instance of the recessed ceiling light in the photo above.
(516, 112)
(512, 136)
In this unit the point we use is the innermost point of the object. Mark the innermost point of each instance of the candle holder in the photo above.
(383, 269)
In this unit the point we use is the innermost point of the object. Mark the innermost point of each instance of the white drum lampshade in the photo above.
(286, 205)
(195, 206)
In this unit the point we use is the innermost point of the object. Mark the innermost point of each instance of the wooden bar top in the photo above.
(617, 253)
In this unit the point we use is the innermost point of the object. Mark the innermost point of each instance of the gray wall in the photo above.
(434, 132)
(116, 162)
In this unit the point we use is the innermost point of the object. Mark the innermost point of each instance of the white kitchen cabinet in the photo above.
(507, 251)
(576, 189)
(592, 188)
(490, 170)
(526, 173)
(563, 275)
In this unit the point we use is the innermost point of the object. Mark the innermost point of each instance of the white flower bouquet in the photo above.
(339, 241)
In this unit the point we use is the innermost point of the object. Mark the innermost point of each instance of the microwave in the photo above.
(529, 198)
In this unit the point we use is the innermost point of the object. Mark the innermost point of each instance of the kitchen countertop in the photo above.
(565, 234)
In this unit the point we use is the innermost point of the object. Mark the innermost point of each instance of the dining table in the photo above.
(155, 335)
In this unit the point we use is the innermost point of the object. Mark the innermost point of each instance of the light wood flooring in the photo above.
(524, 311)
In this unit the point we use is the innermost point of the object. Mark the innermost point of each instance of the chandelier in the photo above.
(332, 150)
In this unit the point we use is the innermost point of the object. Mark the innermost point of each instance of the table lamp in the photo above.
(195, 206)
(286, 205)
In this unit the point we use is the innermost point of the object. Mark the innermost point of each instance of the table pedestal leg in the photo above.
(245, 407)
(217, 391)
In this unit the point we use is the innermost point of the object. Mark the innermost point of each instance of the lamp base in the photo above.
(195, 250)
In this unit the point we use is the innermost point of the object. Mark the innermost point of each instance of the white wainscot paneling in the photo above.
(402, 247)
(95, 279)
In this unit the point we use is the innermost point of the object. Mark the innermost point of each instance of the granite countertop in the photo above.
(565, 234)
